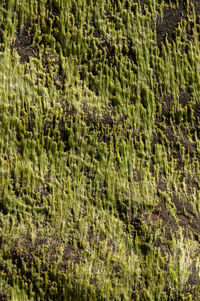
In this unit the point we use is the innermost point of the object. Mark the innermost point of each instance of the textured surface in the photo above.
(99, 150)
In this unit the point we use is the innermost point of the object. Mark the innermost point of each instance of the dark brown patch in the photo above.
(52, 8)
(70, 255)
(29, 260)
(171, 18)
(4, 295)
(167, 103)
(193, 279)
(103, 124)
(196, 112)
(188, 219)
(177, 136)
(167, 220)
(143, 4)
(162, 185)
(172, 146)
(23, 46)
(166, 108)
(94, 239)
(24, 251)
(190, 146)
(184, 98)
(93, 120)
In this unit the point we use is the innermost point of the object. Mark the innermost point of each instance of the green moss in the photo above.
(99, 152)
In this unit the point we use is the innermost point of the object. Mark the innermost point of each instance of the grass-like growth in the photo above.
(99, 150)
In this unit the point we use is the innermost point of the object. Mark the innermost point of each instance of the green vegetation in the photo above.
(99, 150)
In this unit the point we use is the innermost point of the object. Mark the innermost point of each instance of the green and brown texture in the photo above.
(99, 150)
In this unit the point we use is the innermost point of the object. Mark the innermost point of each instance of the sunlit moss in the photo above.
(96, 148)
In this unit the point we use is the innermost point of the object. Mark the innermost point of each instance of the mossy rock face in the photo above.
(99, 150)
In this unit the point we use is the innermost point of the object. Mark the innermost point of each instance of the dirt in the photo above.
(24, 250)
(166, 27)
(177, 136)
(174, 138)
(23, 45)
(187, 218)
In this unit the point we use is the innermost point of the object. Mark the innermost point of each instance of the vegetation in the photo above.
(99, 150)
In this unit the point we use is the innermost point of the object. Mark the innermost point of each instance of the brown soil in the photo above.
(22, 45)
(26, 255)
(174, 138)
(166, 28)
